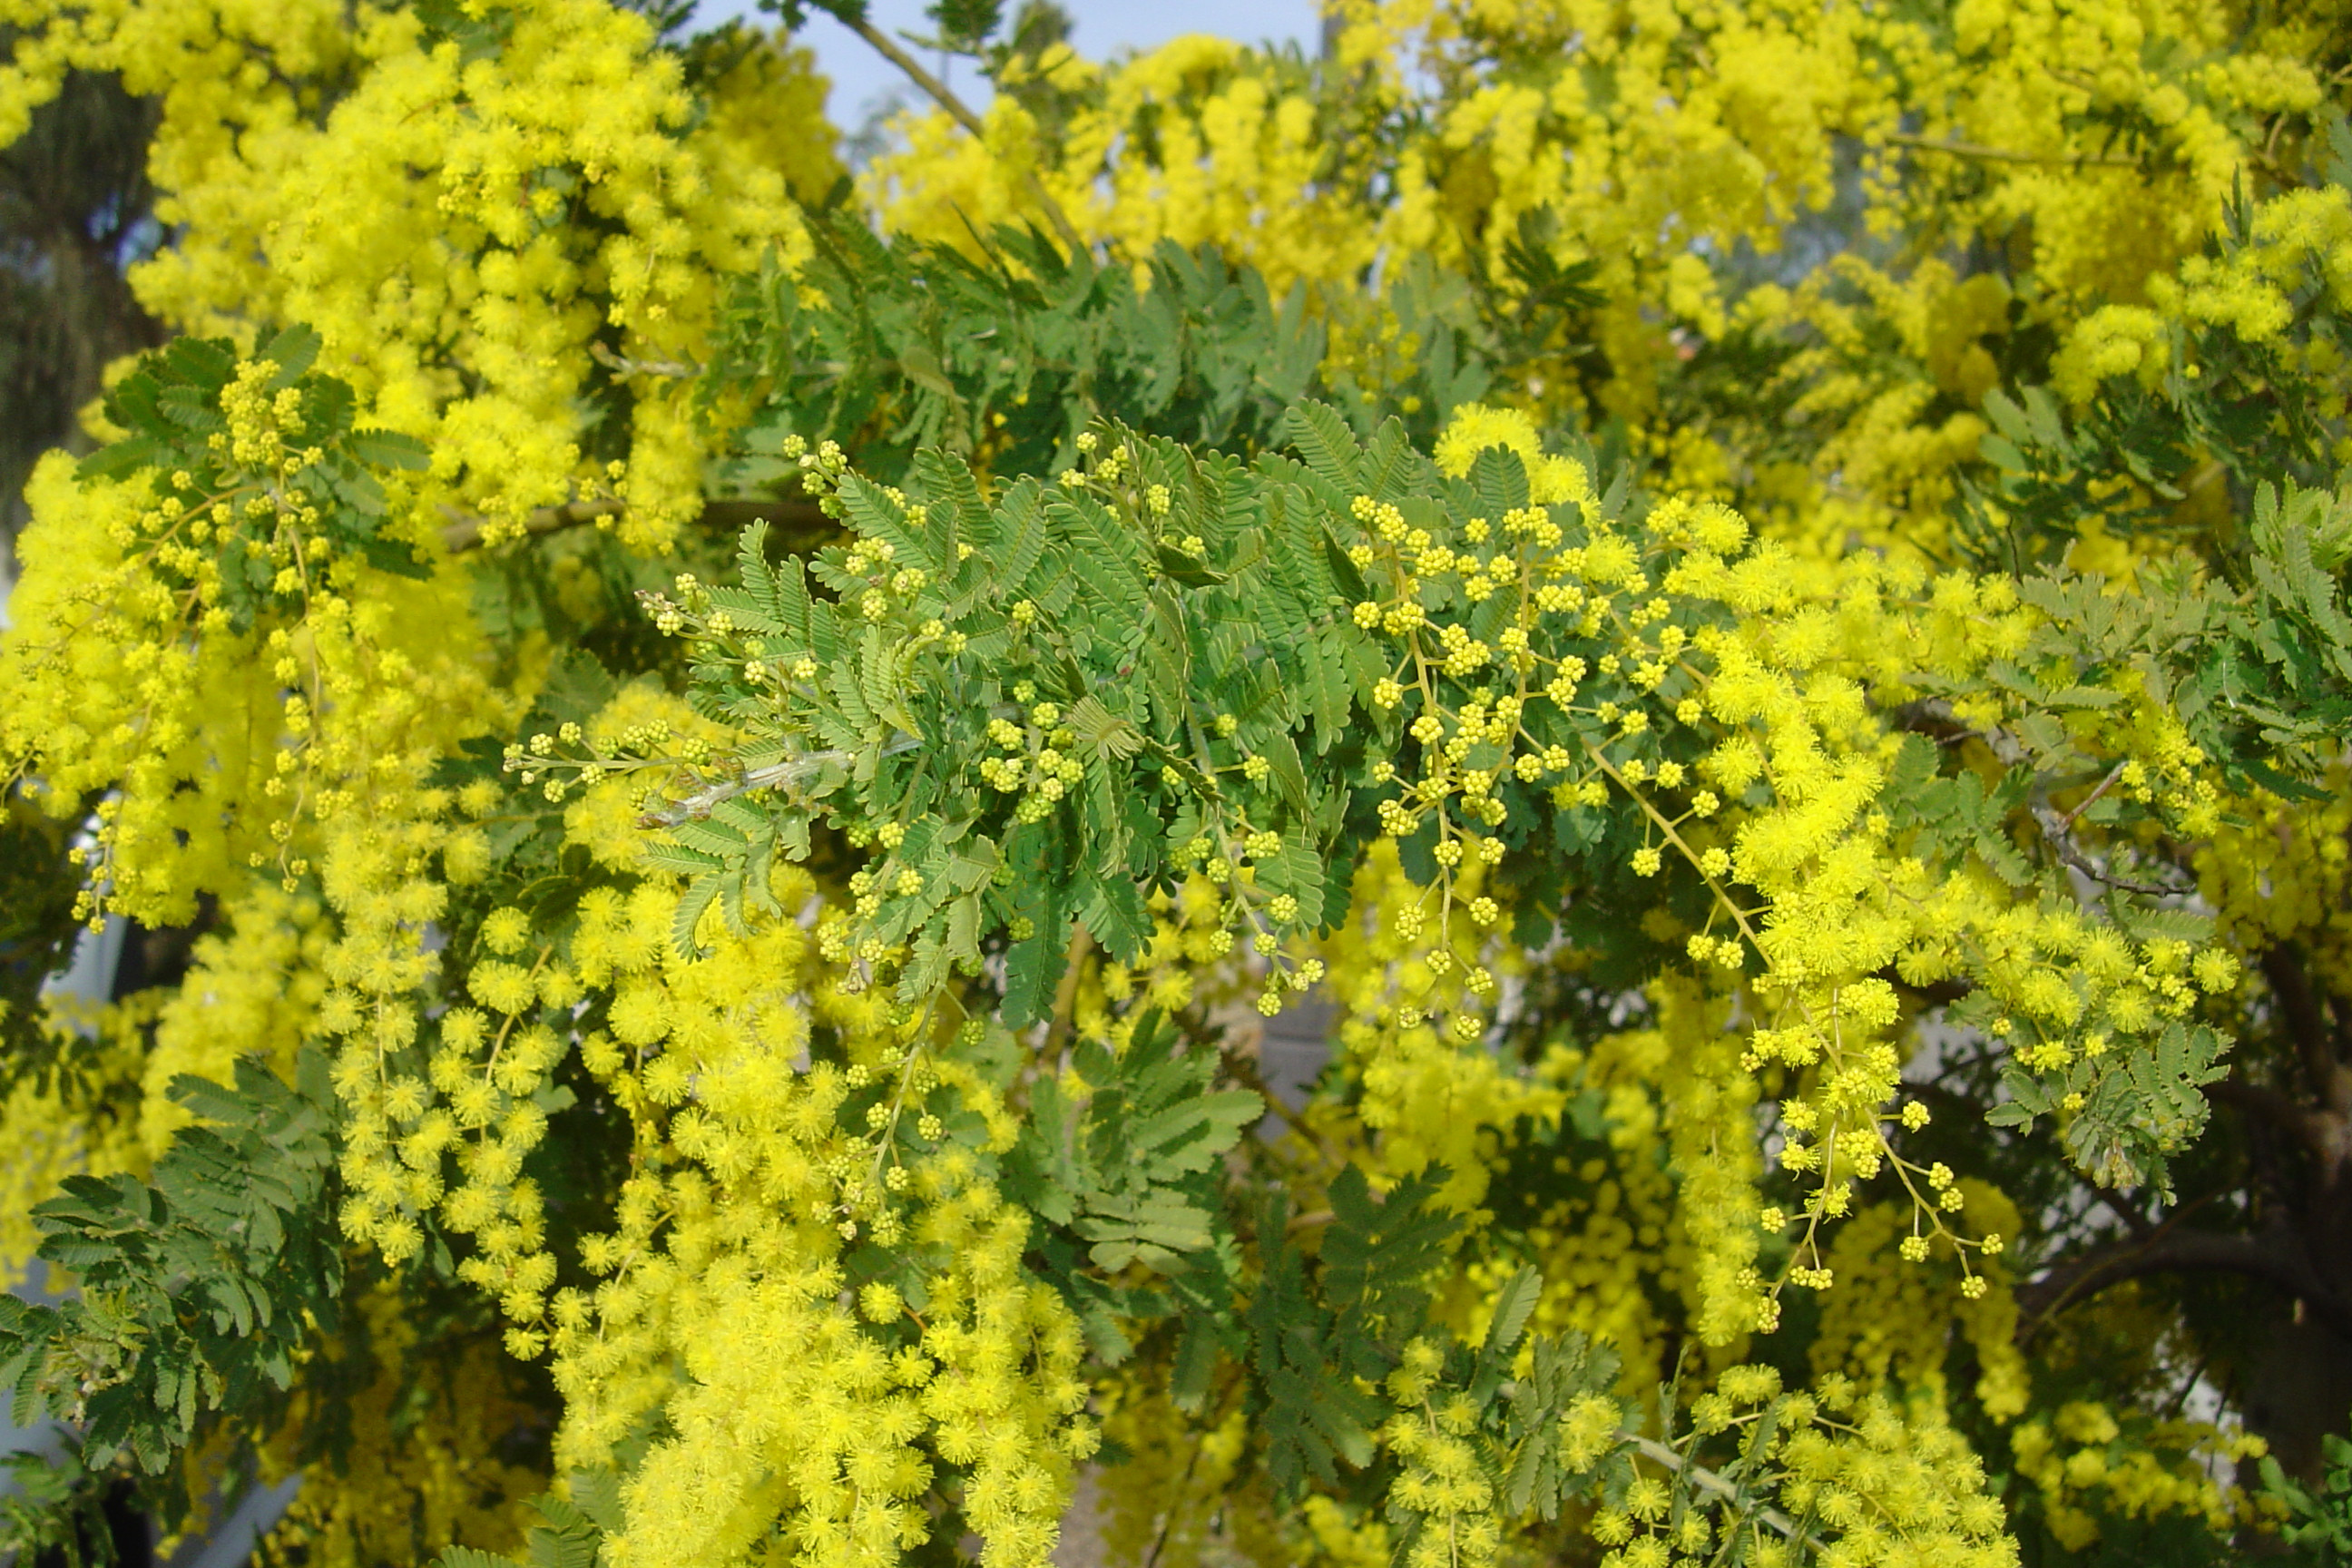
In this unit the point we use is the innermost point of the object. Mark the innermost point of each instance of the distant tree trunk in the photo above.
(76, 208)
(2299, 1387)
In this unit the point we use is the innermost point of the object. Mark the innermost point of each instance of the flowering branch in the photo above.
(1710, 1481)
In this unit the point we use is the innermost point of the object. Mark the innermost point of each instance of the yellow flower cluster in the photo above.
(1634, 137)
(794, 1415)
(1441, 1478)
(1240, 155)
(2297, 241)
(1614, 1234)
(1783, 694)
(278, 769)
(2085, 1468)
(1412, 999)
(376, 874)
(1860, 1482)
(756, 1177)
(1735, 705)
(424, 1447)
(1890, 1324)
(86, 1121)
(1428, 1093)
(2278, 873)
(460, 227)
(802, 1401)
(224, 749)
(1732, 704)
(809, 1286)
(253, 989)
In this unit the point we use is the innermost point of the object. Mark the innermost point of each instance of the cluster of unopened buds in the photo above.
(821, 465)
(551, 759)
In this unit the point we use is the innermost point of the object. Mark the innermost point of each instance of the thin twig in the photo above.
(1708, 1480)
(1066, 995)
(784, 775)
(2004, 155)
(1245, 1072)
(464, 529)
(2011, 752)
(2188, 1388)
(962, 115)
(2066, 823)
(792, 770)
(671, 369)
(1168, 1519)
(2054, 833)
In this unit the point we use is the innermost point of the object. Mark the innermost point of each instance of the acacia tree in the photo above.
(747, 752)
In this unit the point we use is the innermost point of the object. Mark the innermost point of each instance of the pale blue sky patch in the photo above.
(862, 79)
